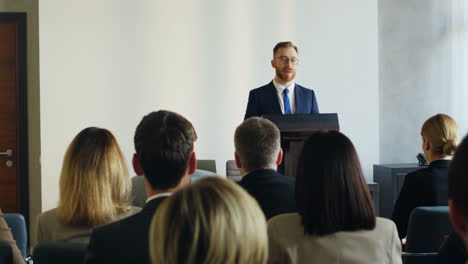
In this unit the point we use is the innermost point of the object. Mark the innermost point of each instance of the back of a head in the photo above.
(331, 192)
(163, 143)
(211, 221)
(442, 132)
(257, 143)
(94, 181)
(458, 178)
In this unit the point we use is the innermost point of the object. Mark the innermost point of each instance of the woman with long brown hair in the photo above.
(335, 222)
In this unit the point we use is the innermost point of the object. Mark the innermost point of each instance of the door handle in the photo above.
(8, 153)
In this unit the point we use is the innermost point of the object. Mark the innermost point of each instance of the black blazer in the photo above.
(452, 251)
(274, 192)
(124, 241)
(264, 100)
(424, 187)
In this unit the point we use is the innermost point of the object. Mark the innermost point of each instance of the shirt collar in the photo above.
(280, 88)
(165, 194)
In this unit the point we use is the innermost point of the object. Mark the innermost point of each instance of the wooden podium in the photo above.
(294, 130)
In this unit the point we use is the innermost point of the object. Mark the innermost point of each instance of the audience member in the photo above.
(94, 189)
(211, 221)
(428, 186)
(258, 154)
(7, 237)
(164, 155)
(336, 222)
(455, 248)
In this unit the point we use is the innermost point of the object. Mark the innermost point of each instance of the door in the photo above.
(13, 116)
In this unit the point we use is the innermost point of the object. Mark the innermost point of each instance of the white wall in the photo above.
(107, 63)
(416, 74)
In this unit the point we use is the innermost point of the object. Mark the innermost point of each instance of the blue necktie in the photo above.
(287, 106)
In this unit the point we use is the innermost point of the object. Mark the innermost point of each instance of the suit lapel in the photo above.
(273, 97)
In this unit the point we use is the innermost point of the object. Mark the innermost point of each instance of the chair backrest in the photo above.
(427, 228)
(232, 171)
(208, 165)
(6, 255)
(17, 225)
(59, 252)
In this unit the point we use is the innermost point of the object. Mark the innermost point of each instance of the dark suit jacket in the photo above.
(453, 251)
(264, 100)
(124, 241)
(274, 192)
(424, 187)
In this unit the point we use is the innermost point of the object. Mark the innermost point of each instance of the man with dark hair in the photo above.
(282, 95)
(164, 155)
(455, 248)
(258, 154)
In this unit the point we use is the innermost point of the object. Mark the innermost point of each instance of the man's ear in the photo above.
(238, 162)
(273, 63)
(137, 165)
(459, 223)
(192, 163)
(279, 159)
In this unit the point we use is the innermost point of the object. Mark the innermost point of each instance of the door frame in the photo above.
(22, 108)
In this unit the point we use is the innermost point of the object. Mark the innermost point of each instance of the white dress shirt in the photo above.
(292, 100)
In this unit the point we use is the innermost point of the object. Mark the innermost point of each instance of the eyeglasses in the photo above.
(286, 60)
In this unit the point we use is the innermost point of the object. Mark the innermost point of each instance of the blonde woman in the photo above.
(209, 222)
(428, 186)
(94, 186)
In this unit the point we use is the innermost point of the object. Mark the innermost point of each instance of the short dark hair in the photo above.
(331, 192)
(284, 44)
(458, 177)
(163, 143)
(257, 143)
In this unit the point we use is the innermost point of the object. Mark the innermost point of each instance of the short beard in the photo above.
(284, 77)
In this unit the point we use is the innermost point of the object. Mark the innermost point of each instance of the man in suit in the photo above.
(455, 248)
(257, 154)
(282, 95)
(166, 158)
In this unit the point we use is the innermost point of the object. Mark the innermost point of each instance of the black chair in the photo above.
(59, 252)
(6, 255)
(427, 229)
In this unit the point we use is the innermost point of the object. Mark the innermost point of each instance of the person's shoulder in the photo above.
(303, 89)
(418, 174)
(285, 219)
(118, 227)
(47, 216)
(263, 88)
(384, 225)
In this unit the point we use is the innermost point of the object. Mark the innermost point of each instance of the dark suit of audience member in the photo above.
(258, 153)
(424, 187)
(429, 186)
(164, 156)
(125, 241)
(453, 251)
(274, 192)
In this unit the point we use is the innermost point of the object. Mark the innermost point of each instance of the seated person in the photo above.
(7, 237)
(210, 221)
(455, 248)
(258, 154)
(94, 186)
(165, 157)
(336, 222)
(428, 186)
